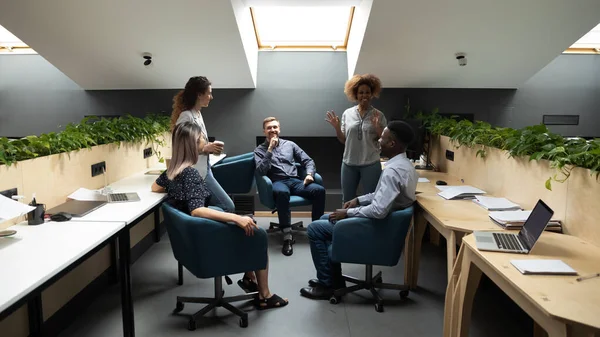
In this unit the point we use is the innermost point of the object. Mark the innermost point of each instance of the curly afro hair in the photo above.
(351, 87)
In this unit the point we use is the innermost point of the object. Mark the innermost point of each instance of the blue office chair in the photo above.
(370, 242)
(236, 174)
(265, 194)
(212, 249)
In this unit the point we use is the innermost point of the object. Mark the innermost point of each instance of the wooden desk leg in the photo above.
(538, 331)
(470, 276)
(450, 252)
(451, 298)
(414, 255)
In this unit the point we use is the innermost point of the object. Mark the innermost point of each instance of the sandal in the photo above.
(248, 285)
(269, 303)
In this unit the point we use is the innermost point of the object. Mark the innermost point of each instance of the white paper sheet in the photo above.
(423, 180)
(215, 158)
(10, 209)
(84, 194)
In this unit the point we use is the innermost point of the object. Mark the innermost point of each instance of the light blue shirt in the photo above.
(395, 190)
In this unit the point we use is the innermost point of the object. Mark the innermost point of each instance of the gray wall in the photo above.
(297, 87)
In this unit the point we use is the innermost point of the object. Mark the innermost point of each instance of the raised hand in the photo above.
(273, 143)
(375, 119)
(331, 118)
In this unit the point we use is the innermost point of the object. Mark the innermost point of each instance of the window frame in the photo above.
(304, 47)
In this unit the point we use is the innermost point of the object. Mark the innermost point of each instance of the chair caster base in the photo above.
(192, 325)
(403, 294)
(378, 307)
(244, 322)
(178, 307)
(335, 299)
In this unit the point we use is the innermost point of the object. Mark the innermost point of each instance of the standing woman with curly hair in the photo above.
(186, 108)
(359, 129)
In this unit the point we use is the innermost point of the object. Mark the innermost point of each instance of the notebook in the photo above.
(543, 267)
(496, 204)
(460, 192)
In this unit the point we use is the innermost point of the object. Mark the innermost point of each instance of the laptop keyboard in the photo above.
(507, 241)
(118, 197)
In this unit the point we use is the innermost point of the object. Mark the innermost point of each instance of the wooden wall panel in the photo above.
(523, 181)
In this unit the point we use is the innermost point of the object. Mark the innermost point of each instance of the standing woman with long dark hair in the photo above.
(187, 106)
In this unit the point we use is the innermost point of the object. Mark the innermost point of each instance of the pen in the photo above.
(579, 279)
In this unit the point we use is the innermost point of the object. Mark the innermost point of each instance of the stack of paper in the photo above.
(516, 219)
(460, 192)
(544, 267)
(423, 180)
(496, 204)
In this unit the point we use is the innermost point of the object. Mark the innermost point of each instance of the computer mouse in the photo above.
(61, 216)
(441, 182)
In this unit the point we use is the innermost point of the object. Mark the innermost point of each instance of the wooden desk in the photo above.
(559, 304)
(451, 218)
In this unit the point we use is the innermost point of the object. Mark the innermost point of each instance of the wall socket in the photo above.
(98, 168)
(450, 155)
(147, 153)
(9, 193)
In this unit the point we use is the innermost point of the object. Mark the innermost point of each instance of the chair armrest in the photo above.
(318, 179)
(264, 185)
(228, 160)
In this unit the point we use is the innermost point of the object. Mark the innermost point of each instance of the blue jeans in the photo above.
(320, 234)
(283, 189)
(368, 175)
(218, 196)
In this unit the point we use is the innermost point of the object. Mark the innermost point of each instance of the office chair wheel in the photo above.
(271, 227)
(403, 294)
(334, 299)
(178, 307)
(192, 325)
(378, 307)
(378, 280)
(244, 322)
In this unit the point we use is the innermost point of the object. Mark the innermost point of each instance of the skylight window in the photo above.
(302, 27)
(10, 44)
(589, 43)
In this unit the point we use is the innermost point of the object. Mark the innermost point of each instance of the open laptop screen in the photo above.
(535, 224)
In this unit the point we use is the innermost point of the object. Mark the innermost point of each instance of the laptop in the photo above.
(112, 197)
(77, 208)
(522, 242)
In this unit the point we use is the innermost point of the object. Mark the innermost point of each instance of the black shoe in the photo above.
(288, 248)
(314, 282)
(320, 292)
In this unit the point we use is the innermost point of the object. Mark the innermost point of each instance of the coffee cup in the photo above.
(218, 142)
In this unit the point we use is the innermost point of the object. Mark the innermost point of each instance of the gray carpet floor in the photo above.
(154, 277)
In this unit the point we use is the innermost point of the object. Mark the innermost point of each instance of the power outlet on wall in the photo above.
(450, 155)
(98, 168)
(147, 153)
(9, 193)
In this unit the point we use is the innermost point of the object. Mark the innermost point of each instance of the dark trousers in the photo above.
(320, 234)
(283, 189)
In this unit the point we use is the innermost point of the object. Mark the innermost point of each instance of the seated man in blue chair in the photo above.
(275, 158)
(395, 190)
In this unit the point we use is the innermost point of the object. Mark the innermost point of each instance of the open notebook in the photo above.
(543, 267)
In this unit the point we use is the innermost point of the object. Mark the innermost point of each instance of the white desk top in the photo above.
(37, 253)
(128, 211)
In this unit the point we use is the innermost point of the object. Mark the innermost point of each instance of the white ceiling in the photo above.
(98, 44)
(412, 43)
(408, 43)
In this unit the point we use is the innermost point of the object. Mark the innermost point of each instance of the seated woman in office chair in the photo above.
(188, 192)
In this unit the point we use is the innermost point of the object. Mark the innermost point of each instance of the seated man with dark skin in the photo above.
(395, 190)
(276, 159)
